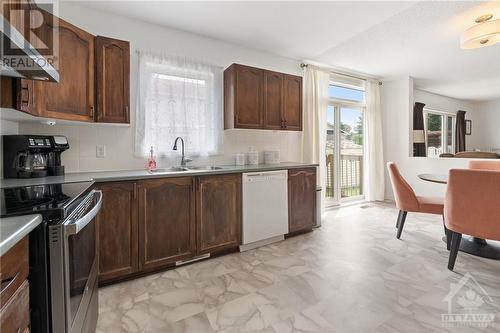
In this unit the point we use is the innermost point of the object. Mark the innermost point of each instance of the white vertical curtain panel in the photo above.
(178, 97)
(316, 82)
(374, 153)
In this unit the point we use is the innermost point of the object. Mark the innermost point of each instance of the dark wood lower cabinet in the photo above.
(15, 315)
(166, 221)
(149, 225)
(301, 199)
(218, 211)
(14, 293)
(117, 231)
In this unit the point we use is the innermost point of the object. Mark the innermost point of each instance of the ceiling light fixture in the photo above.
(485, 33)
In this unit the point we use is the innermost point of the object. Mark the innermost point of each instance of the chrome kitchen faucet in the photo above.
(184, 159)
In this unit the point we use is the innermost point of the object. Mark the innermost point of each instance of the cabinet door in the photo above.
(18, 94)
(25, 96)
(14, 267)
(248, 103)
(273, 100)
(15, 315)
(166, 221)
(73, 97)
(218, 208)
(112, 59)
(301, 199)
(117, 231)
(292, 102)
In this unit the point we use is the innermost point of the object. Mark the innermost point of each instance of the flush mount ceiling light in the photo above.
(485, 33)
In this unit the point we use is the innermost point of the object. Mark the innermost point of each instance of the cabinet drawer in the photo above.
(15, 315)
(13, 270)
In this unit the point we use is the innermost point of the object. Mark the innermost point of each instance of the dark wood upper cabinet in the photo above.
(255, 98)
(117, 231)
(301, 199)
(166, 221)
(112, 70)
(73, 97)
(218, 208)
(94, 75)
(19, 94)
(292, 102)
(243, 96)
(273, 100)
(25, 96)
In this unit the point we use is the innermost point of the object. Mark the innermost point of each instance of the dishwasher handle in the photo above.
(267, 175)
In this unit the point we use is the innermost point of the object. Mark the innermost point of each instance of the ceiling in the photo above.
(424, 42)
(380, 38)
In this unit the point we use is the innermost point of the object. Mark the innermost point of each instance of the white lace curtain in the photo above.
(178, 97)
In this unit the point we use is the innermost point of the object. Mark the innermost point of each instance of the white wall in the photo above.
(143, 36)
(489, 124)
(397, 104)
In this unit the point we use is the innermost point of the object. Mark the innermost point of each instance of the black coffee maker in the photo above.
(33, 156)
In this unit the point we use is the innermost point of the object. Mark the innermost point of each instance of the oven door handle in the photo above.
(72, 228)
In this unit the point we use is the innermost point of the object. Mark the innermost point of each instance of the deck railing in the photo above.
(351, 175)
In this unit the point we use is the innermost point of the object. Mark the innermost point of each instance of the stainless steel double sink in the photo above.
(186, 169)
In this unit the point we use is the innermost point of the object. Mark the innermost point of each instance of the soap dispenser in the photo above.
(151, 164)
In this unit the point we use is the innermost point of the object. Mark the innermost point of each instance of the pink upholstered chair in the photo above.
(408, 201)
(484, 165)
(472, 205)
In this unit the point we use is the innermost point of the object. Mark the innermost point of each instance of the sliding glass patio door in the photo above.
(345, 150)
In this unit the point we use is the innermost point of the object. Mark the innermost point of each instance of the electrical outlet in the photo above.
(100, 151)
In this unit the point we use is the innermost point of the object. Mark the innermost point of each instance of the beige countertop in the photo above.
(108, 176)
(13, 229)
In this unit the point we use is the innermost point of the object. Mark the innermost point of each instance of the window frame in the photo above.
(444, 128)
(347, 102)
(337, 104)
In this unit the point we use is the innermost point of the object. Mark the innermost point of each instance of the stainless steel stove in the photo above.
(63, 253)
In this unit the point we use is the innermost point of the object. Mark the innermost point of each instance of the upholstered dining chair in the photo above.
(484, 165)
(408, 201)
(472, 205)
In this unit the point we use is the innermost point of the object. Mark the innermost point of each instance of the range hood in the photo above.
(20, 58)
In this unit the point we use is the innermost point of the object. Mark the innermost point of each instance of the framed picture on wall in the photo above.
(468, 127)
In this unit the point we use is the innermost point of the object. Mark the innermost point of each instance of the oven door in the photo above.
(74, 267)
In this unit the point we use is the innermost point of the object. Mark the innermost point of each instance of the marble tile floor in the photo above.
(350, 275)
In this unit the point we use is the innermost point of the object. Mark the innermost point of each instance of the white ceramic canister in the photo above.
(272, 156)
(253, 157)
(239, 159)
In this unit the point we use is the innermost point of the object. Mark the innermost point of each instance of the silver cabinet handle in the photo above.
(73, 227)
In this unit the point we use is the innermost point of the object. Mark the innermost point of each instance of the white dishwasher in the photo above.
(265, 208)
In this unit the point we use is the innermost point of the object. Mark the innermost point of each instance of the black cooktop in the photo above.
(50, 200)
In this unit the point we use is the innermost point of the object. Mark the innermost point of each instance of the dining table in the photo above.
(473, 245)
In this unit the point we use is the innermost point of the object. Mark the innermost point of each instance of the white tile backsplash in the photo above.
(119, 142)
